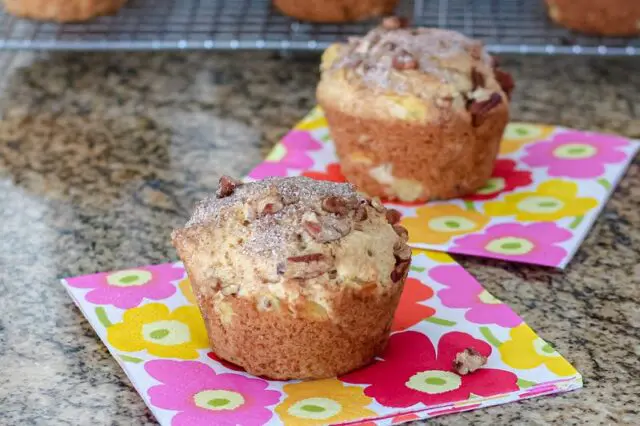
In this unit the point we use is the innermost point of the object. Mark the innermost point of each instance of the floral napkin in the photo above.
(148, 320)
(548, 186)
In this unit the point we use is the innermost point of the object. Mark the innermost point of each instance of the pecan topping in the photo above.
(506, 82)
(307, 265)
(404, 61)
(393, 216)
(394, 22)
(402, 232)
(377, 204)
(400, 271)
(270, 205)
(402, 251)
(306, 258)
(479, 110)
(330, 229)
(226, 186)
(333, 204)
(477, 78)
(360, 214)
(468, 361)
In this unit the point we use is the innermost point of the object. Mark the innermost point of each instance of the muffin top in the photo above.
(423, 62)
(293, 238)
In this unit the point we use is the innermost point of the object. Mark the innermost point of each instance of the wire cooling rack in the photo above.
(507, 26)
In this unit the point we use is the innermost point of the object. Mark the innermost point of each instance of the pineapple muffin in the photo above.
(416, 114)
(62, 10)
(295, 278)
(335, 10)
(600, 17)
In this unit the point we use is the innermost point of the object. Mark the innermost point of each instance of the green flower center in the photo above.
(575, 151)
(521, 131)
(166, 332)
(543, 348)
(129, 278)
(541, 204)
(434, 382)
(493, 185)
(315, 408)
(451, 224)
(488, 299)
(510, 246)
(218, 399)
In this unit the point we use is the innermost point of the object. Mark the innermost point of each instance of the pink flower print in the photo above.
(534, 243)
(291, 153)
(127, 288)
(202, 397)
(464, 292)
(577, 155)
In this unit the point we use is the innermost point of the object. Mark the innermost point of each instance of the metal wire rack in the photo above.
(506, 26)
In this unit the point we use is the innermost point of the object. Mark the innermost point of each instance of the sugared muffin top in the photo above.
(292, 237)
(419, 62)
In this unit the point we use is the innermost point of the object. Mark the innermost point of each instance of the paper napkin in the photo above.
(148, 320)
(547, 189)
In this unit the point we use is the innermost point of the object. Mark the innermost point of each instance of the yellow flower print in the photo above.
(518, 134)
(438, 256)
(437, 224)
(187, 291)
(525, 350)
(177, 334)
(315, 120)
(323, 402)
(551, 201)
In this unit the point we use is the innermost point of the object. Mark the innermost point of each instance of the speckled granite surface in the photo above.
(102, 155)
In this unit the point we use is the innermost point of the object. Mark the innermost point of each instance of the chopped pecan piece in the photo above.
(360, 214)
(333, 204)
(468, 361)
(393, 216)
(330, 229)
(479, 110)
(400, 271)
(402, 251)
(477, 78)
(377, 204)
(307, 265)
(394, 22)
(404, 61)
(506, 82)
(270, 205)
(226, 186)
(402, 232)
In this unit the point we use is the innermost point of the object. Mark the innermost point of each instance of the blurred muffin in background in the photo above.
(416, 114)
(62, 10)
(602, 17)
(335, 10)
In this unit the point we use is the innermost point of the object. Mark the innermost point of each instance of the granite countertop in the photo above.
(101, 155)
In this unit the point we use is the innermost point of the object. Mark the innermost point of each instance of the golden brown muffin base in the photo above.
(62, 10)
(601, 17)
(280, 345)
(449, 157)
(335, 10)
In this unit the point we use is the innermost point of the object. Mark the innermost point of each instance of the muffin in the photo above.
(62, 10)
(335, 10)
(601, 17)
(416, 114)
(295, 278)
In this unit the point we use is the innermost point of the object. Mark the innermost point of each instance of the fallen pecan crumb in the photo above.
(468, 361)
(479, 110)
(335, 205)
(404, 61)
(393, 216)
(394, 22)
(477, 78)
(226, 186)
